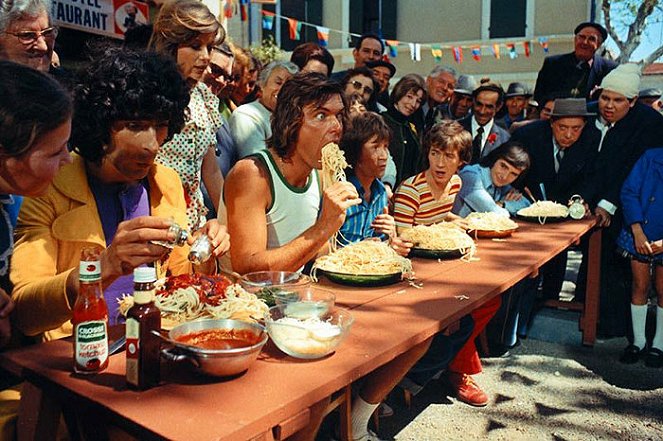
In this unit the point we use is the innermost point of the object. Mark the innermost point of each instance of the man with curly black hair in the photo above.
(112, 195)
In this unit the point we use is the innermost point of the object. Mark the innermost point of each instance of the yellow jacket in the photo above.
(51, 231)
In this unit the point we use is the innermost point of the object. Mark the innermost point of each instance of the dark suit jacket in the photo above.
(560, 74)
(537, 137)
(501, 136)
(624, 143)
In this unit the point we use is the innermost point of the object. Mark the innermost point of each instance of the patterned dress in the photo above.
(185, 152)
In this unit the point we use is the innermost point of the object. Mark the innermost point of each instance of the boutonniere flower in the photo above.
(492, 138)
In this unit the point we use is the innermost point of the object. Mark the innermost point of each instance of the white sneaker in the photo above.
(369, 436)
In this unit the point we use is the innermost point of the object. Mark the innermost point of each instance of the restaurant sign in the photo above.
(104, 17)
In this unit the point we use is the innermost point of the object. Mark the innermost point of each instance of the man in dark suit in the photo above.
(487, 100)
(577, 73)
(561, 151)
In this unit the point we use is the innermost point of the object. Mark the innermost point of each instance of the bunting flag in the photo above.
(323, 36)
(228, 10)
(415, 51)
(458, 54)
(476, 53)
(267, 20)
(543, 41)
(295, 29)
(244, 12)
(527, 48)
(512, 51)
(393, 47)
(436, 52)
(496, 50)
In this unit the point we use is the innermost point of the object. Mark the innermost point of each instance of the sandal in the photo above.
(654, 358)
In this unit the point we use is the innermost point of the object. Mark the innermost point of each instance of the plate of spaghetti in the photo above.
(544, 211)
(193, 296)
(489, 225)
(365, 263)
(445, 240)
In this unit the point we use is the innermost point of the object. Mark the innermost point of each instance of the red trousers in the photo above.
(467, 360)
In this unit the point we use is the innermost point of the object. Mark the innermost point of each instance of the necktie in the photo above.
(558, 156)
(476, 146)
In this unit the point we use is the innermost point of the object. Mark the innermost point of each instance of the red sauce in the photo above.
(210, 289)
(220, 339)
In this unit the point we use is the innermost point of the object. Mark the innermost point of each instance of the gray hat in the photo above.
(570, 107)
(651, 92)
(517, 89)
(465, 85)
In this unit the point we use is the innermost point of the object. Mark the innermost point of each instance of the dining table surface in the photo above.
(277, 388)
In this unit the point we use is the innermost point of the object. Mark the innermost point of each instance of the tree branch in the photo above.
(605, 7)
(654, 56)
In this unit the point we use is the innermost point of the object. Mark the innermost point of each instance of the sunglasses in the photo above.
(220, 73)
(358, 86)
(29, 37)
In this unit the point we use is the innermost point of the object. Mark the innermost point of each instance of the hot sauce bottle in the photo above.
(143, 350)
(90, 316)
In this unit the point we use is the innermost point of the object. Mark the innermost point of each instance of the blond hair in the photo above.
(180, 21)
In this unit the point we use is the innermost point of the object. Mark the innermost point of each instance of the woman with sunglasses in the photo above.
(406, 98)
(186, 31)
(360, 83)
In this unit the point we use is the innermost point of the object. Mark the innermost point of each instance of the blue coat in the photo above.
(642, 199)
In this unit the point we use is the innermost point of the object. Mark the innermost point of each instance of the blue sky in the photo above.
(652, 38)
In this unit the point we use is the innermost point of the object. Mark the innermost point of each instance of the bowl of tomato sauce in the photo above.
(217, 347)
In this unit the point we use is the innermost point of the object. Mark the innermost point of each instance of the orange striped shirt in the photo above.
(414, 203)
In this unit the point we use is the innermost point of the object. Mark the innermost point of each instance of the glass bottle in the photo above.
(143, 350)
(90, 316)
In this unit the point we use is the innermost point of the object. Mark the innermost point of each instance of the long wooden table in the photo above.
(277, 390)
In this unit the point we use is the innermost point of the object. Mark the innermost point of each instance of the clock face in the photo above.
(577, 210)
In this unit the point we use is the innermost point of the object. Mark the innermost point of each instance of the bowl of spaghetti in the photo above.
(490, 225)
(445, 240)
(544, 211)
(190, 297)
(308, 337)
(365, 263)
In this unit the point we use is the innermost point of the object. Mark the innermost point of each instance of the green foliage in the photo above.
(268, 51)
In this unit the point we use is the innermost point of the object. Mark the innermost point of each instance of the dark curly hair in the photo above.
(299, 91)
(363, 128)
(31, 105)
(125, 85)
(306, 52)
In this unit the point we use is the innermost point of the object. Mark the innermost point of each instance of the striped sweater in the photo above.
(414, 203)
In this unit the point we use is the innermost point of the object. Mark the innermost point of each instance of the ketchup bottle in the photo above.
(143, 349)
(90, 316)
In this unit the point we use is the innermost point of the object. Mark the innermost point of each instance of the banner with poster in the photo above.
(111, 18)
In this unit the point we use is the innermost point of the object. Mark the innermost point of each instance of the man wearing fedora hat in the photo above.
(515, 101)
(577, 73)
(383, 72)
(561, 151)
(460, 104)
(651, 97)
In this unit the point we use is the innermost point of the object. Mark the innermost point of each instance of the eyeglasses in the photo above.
(588, 38)
(29, 37)
(358, 86)
(220, 73)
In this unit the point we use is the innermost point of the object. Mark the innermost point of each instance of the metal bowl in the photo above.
(274, 286)
(216, 362)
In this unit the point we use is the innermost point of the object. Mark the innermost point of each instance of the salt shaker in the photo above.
(201, 250)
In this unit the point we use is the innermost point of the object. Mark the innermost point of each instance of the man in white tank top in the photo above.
(277, 222)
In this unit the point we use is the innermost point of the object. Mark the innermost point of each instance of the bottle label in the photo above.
(133, 346)
(91, 344)
(89, 271)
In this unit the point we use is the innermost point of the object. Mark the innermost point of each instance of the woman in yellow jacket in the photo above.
(112, 195)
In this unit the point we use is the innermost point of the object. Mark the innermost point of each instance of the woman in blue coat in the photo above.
(641, 239)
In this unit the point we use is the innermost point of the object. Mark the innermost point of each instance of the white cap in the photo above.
(624, 79)
(145, 274)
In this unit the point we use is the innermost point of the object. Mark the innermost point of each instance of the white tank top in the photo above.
(294, 209)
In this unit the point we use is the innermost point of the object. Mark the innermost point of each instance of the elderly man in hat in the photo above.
(487, 100)
(383, 72)
(627, 129)
(561, 151)
(651, 97)
(516, 99)
(460, 104)
(577, 73)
